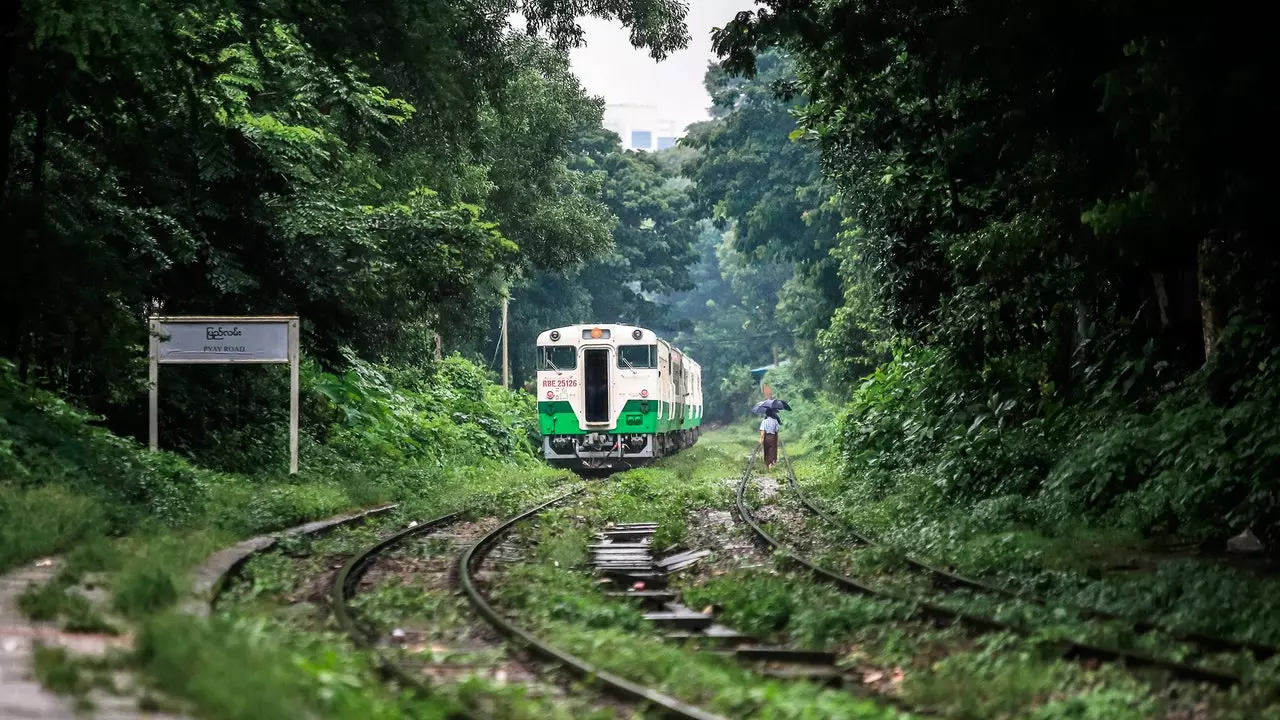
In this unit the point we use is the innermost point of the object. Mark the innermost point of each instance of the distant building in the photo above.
(641, 127)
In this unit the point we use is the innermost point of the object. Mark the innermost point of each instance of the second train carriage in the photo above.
(614, 394)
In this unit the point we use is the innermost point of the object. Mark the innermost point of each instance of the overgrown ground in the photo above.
(947, 671)
(271, 649)
(131, 525)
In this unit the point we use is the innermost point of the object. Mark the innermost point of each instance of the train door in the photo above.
(595, 375)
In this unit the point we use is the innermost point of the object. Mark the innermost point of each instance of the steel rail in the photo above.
(470, 560)
(1259, 650)
(344, 586)
(941, 614)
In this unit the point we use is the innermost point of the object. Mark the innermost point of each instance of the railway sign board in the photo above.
(205, 340)
(216, 341)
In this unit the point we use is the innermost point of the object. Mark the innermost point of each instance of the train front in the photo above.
(598, 395)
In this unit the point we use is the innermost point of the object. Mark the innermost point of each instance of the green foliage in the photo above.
(50, 450)
(392, 414)
(59, 671)
(380, 434)
(1185, 465)
(1028, 229)
(237, 669)
(55, 601)
(751, 177)
(383, 173)
(43, 521)
(813, 616)
(645, 254)
(1011, 680)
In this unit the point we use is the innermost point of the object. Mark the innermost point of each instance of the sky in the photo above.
(608, 66)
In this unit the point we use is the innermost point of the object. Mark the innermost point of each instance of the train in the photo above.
(614, 396)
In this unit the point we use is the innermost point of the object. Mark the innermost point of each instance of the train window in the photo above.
(638, 357)
(553, 358)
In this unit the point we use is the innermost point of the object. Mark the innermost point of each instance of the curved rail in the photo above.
(938, 613)
(1259, 650)
(344, 585)
(474, 555)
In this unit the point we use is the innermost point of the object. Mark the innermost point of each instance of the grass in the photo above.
(1076, 566)
(949, 671)
(46, 520)
(271, 651)
(270, 630)
(76, 677)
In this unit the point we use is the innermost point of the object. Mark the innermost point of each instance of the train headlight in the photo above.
(550, 394)
(644, 393)
(596, 333)
(555, 335)
(636, 333)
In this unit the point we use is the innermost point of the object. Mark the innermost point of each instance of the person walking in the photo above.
(769, 438)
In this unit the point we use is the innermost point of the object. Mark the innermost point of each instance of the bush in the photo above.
(1191, 458)
(40, 521)
(375, 434)
(45, 441)
(379, 413)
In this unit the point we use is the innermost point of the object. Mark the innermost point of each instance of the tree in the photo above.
(754, 173)
(1021, 173)
(648, 256)
(381, 171)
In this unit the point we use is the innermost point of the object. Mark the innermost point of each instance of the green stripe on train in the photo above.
(556, 418)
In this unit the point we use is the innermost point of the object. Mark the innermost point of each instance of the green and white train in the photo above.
(611, 395)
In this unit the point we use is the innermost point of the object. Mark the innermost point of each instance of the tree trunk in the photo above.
(1210, 309)
(1162, 298)
(9, 16)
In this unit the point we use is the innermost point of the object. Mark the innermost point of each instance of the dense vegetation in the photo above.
(1050, 238)
(1012, 263)
(1057, 242)
(385, 174)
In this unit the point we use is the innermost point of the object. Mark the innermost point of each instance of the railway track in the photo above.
(941, 615)
(344, 589)
(468, 565)
(1217, 644)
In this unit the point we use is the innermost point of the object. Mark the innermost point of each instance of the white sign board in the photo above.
(223, 342)
(210, 340)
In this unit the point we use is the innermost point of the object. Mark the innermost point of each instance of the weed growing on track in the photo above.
(1072, 566)
(73, 676)
(283, 596)
(551, 595)
(1068, 569)
(947, 670)
(55, 601)
(565, 608)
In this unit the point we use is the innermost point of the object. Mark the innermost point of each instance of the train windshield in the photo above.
(557, 358)
(638, 357)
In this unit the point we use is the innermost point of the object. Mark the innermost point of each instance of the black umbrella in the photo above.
(770, 404)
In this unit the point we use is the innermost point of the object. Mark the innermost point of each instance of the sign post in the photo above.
(506, 374)
(265, 340)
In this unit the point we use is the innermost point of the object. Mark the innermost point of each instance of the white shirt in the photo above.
(769, 426)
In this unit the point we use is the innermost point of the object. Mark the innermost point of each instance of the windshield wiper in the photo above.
(628, 362)
(552, 365)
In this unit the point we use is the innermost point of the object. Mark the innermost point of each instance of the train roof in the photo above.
(573, 334)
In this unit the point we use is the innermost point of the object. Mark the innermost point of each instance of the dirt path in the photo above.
(22, 696)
